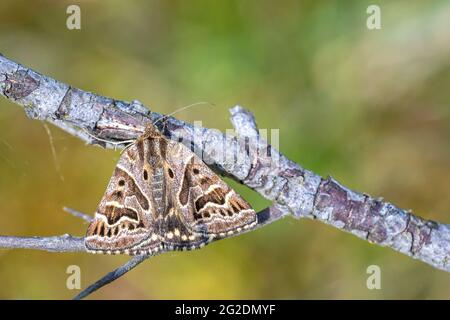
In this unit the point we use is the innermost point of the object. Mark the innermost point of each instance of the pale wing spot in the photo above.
(223, 206)
(114, 204)
(212, 187)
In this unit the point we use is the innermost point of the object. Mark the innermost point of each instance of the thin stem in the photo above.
(64, 243)
(111, 276)
(78, 214)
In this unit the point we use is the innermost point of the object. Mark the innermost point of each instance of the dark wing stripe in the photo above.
(216, 196)
(162, 148)
(184, 191)
(132, 189)
(113, 214)
(140, 149)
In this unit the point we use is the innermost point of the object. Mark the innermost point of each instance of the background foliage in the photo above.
(370, 108)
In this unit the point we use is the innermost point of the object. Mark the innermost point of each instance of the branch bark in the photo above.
(247, 158)
(64, 243)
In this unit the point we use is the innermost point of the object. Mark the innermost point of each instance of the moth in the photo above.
(163, 197)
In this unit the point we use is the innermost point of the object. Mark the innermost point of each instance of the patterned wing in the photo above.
(159, 180)
(162, 196)
(123, 222)
(202, 206)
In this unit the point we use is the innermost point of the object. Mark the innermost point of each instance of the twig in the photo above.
(247, 158)
(64, 243)
(111, 276)
(78, 214)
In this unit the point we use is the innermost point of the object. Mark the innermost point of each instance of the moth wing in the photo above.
(122, 222)
(208, 205)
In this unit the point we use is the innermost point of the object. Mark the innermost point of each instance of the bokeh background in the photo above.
(371, 108)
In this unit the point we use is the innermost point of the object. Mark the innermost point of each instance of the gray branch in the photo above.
(64, 243)
(247, 158)
(111, 276)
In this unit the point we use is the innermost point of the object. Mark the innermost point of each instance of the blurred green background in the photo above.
(371, 108)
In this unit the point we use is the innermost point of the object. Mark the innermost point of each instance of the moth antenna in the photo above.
(114, 143)
(184, 108)
(127, 146)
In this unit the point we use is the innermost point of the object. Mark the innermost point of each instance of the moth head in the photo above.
(151, 131)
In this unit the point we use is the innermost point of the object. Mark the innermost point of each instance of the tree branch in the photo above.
(111, 276)
(64, 243)
(68, 243)
(247, 158)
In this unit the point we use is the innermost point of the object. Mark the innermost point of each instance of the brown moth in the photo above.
(163, 197)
